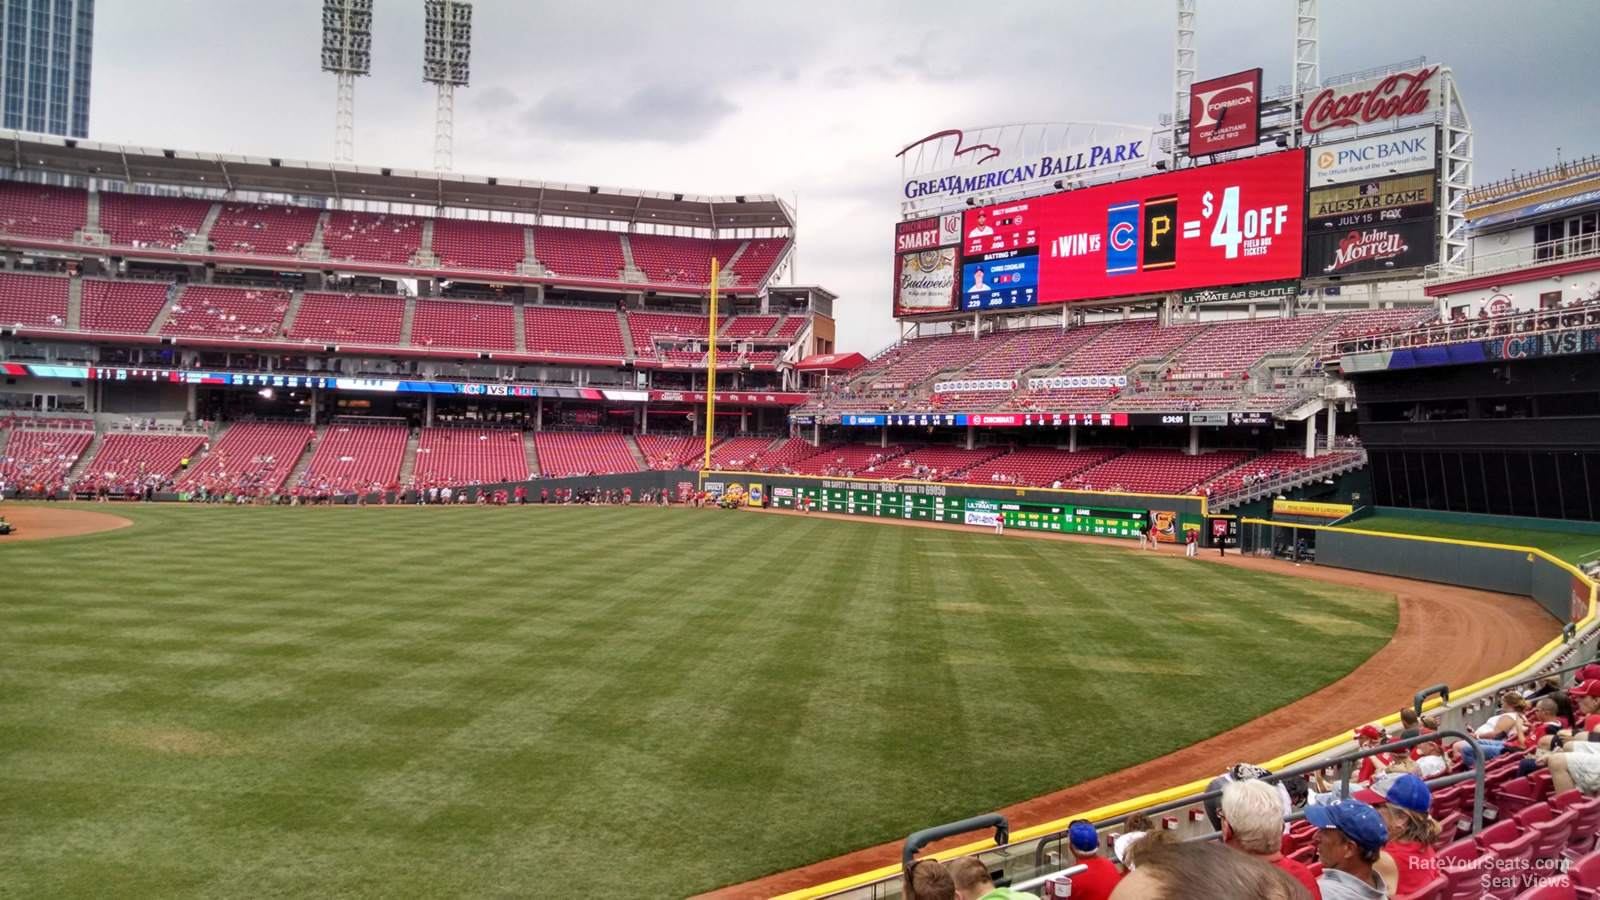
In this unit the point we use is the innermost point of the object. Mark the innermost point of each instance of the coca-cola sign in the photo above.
(1380, 99)
(1382, 248)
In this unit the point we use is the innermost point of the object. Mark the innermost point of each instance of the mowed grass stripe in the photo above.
(373, 702)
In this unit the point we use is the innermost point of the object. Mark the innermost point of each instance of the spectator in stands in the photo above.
(1407, 862)
(927, 879)
(1203, 871)
(1349, 843)
(1142, 845)
(1101, 876)
(1409, 724)
(1507, 729)
(1240, 772)
(1252, 823)
(972, 882)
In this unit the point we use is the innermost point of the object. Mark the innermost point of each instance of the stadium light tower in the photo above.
(446, 52)
(346, 52)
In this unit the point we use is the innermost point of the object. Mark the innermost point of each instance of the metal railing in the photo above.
(1460, 331)
(1548, 253)
(1289, 480)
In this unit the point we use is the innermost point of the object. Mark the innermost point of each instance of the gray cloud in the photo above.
(659, 112)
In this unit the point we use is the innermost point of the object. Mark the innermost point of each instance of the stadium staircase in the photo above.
(202, 237)
(627, 336)
(304, 462)
(161, 318)
(1331, 466)
(406, 320)
(530, 263)
(425, 255)
(87, 456)
(638, 455)
(91, 220)
(726, 265)
(631, 272)
(531, 454)
(5, 438)
(409, 461)
(314, 248)
(519, 326)
(297, 295)
(75, 297)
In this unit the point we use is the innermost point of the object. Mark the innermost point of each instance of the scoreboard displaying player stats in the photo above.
(1063, 519)
(1230, 223)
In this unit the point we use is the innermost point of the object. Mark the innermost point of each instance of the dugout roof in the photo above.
(219, 172)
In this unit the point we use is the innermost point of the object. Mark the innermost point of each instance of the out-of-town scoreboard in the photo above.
(856, 500)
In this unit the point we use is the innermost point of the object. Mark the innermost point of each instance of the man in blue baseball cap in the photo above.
(1102, 876)
(1350, 841)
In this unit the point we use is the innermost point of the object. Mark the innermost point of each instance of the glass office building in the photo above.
(45, 64)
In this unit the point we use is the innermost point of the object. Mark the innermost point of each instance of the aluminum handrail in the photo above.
(920, 839)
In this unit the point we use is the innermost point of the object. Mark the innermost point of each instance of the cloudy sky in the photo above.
(808, 100)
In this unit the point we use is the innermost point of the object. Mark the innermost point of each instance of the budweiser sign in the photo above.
(1366, 246)
(1373, 100)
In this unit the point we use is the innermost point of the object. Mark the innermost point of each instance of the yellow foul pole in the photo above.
(711, 370)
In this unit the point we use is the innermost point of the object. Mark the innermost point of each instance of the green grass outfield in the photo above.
(389, 702)
(1568, 545)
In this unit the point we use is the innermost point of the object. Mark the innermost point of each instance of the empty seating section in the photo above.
(564, 453)
(143, 220)
(666, 259)
(579, 332)
(122, 307)
(964, 401)
(262, 229)
(671, 451)
(1175, 400)
(1158, 471)
(1026, 349)
(364, 457)
(129, 458)
(349, 319)
(371, 237)
(856, 458)
(578, 252)
(36, 300)
(455, 456)
(253, 458)
(788, 454)
(790, 327)
(738, 453)
(1228, 348)
(940, 463)
(762, 357)
(42, 211)
(919, 358)
(239, 313)
(1119, 346)
(647, 327)
(473, 244)
(748, 326)
(471, 326)
(685, 358)
(760, 254)
(41, 457)
(1038, 466)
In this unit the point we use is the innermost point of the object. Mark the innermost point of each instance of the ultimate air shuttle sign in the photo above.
(950, 166)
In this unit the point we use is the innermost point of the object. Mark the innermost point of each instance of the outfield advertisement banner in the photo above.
(1307, 508)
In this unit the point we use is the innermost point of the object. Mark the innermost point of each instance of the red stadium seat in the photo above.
(1557, 888)
(144, 220)
(355, 457)
(233, 313)
(42, 211)
(349, 319)
(253, 458)
(579, 253)
(478, 245)
(42, 456)
(372, 237)
(465, 325)
(37, 301)
(1434, 890)
(592, 333)
(262, 229)
(460, 456)
(122, 307)
(562, 454)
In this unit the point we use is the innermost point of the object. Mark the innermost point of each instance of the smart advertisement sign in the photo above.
(1231, 223)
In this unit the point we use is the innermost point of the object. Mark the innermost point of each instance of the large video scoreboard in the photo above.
(1230, 223)
(1064, 518)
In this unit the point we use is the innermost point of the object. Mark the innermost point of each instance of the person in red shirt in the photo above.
(1408, 861)
(1587, 697)
(1252, 823)
(1367, 737)
(1102, 876)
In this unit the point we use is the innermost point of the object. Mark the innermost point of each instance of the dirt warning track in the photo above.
(34, 523)
(1445, 635)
